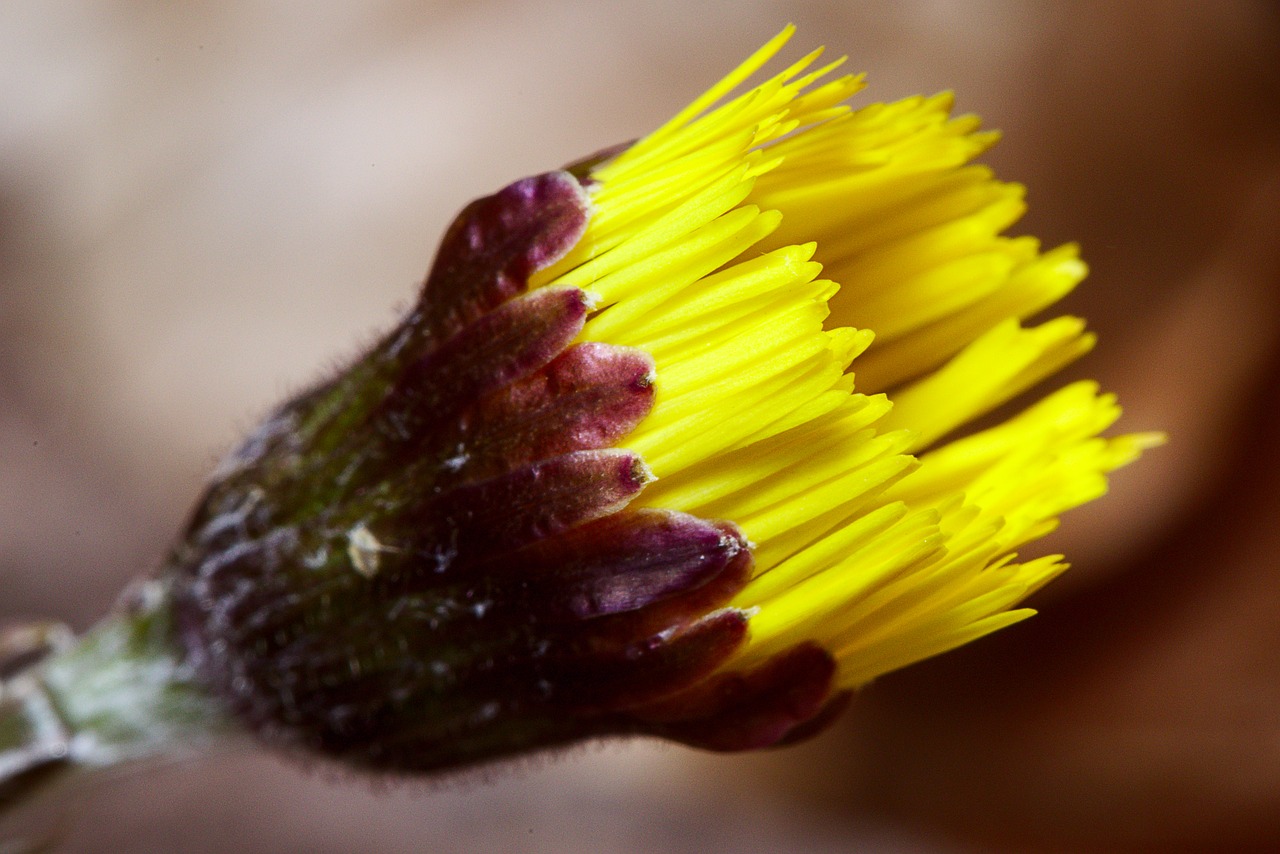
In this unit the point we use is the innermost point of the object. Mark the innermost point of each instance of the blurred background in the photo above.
(205, 206)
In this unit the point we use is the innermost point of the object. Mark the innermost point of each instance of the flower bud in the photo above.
(613, 473)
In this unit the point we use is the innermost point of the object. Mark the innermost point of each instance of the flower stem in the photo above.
(118, 695)
(33, 741)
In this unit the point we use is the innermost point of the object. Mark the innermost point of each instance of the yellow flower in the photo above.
(678, 442)
(828, 299)
(673, 442)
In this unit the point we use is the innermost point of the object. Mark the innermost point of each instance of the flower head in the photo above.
(666, 446)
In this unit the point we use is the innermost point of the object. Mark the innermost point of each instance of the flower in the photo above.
(631, 466)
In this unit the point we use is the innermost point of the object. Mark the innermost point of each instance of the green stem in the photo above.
(119, 695)
(33, 740)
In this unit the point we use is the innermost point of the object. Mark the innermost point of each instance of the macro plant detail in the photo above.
(673, 442)
(431, 560)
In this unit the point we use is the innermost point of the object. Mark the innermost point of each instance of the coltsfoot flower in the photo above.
(676, 441)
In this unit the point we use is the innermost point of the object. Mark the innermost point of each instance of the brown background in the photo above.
(201, 209)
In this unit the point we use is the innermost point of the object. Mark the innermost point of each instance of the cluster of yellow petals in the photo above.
(871, 537)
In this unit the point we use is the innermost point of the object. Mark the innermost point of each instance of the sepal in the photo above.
(788, 698)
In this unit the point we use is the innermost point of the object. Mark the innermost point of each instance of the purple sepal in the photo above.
(816, 725)
(781, 699)
(591, 396)
(499, 348)
(623, 563)
(504, 513)
(607, 673)
(496, 243)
